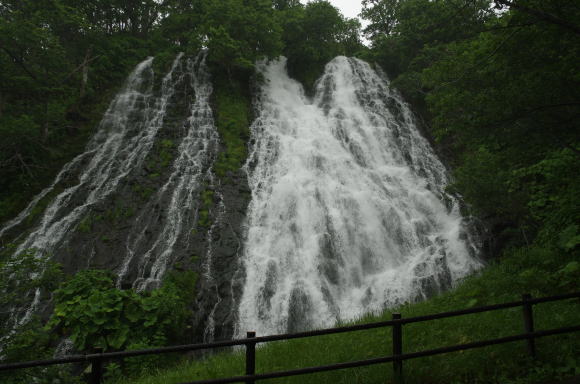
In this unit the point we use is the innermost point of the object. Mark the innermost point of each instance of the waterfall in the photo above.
(116, 160)
(349, 213)
(178, 198)
(124, 137)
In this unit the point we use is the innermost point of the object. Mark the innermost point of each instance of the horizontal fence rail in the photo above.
(387, 359)
(250, 377)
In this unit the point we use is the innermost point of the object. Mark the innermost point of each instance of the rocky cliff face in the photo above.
(143, 199)
(222, 277)
(340, 210)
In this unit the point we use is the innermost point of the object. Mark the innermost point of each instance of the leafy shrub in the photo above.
(20, 277)
(97, 316)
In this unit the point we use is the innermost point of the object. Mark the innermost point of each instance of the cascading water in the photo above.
(116, 164)
(348, 212)
(114, 154)
(124, 138)
(176, 202)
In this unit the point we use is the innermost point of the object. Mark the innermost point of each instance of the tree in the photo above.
(541, 14)
(500, 93)
(240, 32)
(382, 17)
(316, 34)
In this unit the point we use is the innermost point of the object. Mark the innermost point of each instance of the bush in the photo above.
(98, 316)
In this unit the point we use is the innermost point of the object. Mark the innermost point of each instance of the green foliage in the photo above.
(22, 274)
(94, 315)
(313, 35)
(233, 124)
(162, 63)
(47, 106)
(538, 270)
(402, 31)
(569, 238)
(20, 277)
(484, 183)
(500, 93)
(33, 342)
(98, 316)
(206, 199)
(239, 32)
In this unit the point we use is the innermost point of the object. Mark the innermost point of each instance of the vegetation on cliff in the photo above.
(497, 87)
(62, 60)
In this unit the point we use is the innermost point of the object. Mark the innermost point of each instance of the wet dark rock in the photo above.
(219, 293)
(299, 308)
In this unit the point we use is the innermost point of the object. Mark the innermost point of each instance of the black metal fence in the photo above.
(397, 359)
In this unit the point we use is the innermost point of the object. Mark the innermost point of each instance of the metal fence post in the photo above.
(529, 322)
(250, 356)
(397, 349)
(96, 371)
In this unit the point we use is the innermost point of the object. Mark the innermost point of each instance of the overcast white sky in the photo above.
(349, 8)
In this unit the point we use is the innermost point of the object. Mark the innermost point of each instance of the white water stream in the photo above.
(124, 138)
(348, 212)
(348, 215)
(178, 197)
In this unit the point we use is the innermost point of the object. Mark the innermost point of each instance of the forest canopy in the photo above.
(499, 87)
(61, 59)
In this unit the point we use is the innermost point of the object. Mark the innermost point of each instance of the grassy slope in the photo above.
(535, 270)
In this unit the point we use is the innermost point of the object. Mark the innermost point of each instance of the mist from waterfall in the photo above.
(349, 213)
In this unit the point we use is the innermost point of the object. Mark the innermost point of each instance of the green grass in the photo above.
(535, 270)
(206, 198)
(233, 122)
(113, 216)
(160, 158)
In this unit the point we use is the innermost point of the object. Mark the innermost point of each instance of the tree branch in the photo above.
(21, 64)
(541, 15)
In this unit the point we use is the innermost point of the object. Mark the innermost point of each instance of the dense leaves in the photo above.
(57, 67)
(98, 316)
(501, 91)
(20, 278)
(313, 35)
(61, 59)
(92, 313)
